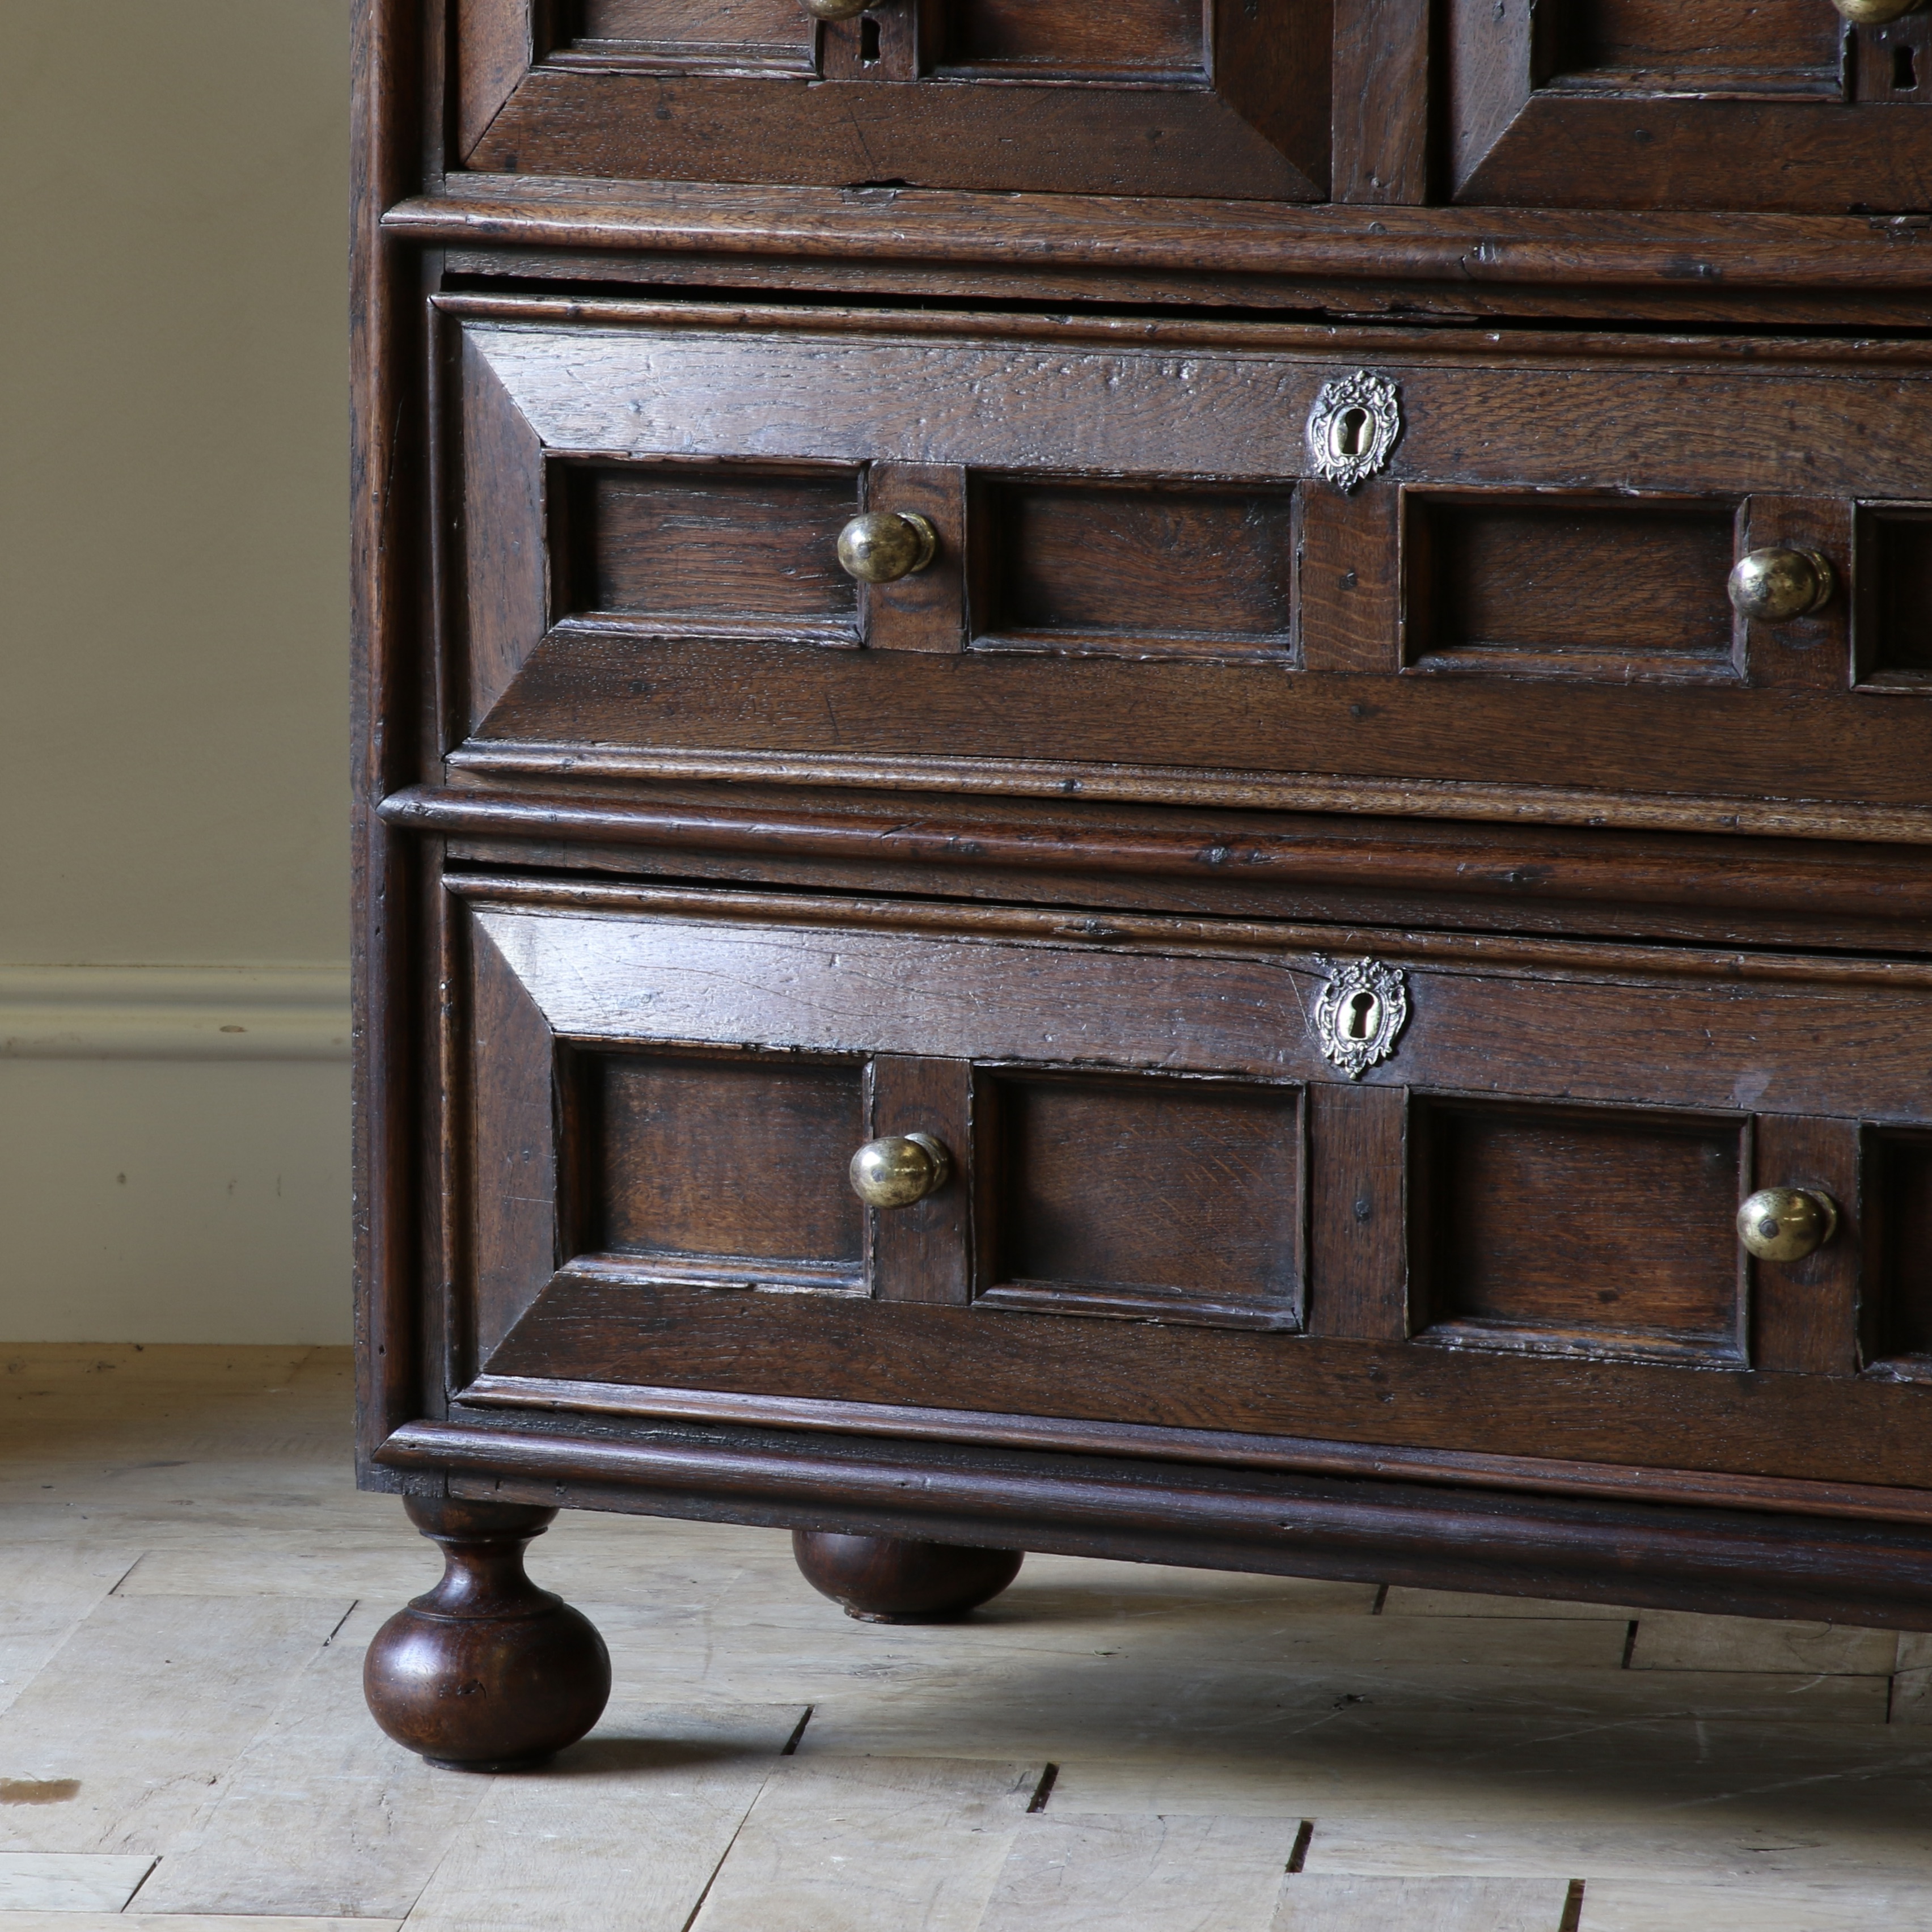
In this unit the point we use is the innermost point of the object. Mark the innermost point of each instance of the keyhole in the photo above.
(1904, 71)
(1364, 1009)
(1350, 435)
(868, 42)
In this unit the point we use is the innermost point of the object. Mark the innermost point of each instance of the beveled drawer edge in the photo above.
(1184, 785)
(1474, 953)
(1502, 345)
(1704, 1488)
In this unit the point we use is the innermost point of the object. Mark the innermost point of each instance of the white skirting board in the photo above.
(174, 1154)
(174, 1012)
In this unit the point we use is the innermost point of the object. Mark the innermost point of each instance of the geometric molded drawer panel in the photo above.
(720, 1167)
(1137, 559)
(1138, 1195)
(727, 548)
(1579, 587)
(1162, 1204)
(1685, 103)
(1587, 1231)
(1071, 566)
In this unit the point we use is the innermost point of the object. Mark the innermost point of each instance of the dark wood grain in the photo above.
(513, 1154)
(1805, 1315)
(392, 705)
(1593, 1232)
(1480, 261)
(994, 137)
(739, 1159)
(493, 55)
(886, 1579)
(486, 1673)
(1381, 116)
(1083, 38)
(1626, 1039)
(1744, 1563)
(924, 1253)
(1654, 1415)
(505, 580)
(1358, 1239)
(732, 546)
(1581, 587)
(1075, 566)
(1644, 47)
(1810, 653)
(1141, 1197)
(1628, 104)
(1047, 849)
(927, 610)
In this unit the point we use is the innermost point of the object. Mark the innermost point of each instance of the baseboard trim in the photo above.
(174, 1012)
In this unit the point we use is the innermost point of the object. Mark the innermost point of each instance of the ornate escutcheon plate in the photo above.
(1353, 428)
(1360, 1012)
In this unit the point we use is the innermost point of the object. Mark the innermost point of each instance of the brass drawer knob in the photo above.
(835, 10)
(1773, 586)
(884, 545)
(898, 1169)
(1785, 1224)
(1876, 13)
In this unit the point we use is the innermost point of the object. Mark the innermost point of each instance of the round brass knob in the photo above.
(884, 545)
(1773, 586)
(835, 9)
(1876, 13)
(1785, 1224)
(899, 1169)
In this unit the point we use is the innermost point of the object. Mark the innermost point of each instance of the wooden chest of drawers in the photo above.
(1151, 781)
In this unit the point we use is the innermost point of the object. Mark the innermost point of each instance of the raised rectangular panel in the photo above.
(696, 1165)
(709, 31)
(1648, 47)
(1076, 38)
(1156, 98)
(697, 545)
(1559, 586)
(1892, 638)
(1746, 104)
(1899, 1234)
(1573, 1231)
(1140, 1195)
(1077, 566)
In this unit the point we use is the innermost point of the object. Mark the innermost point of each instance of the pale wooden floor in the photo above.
(189, 1580)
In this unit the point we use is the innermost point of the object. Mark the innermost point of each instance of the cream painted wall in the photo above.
(173, 625)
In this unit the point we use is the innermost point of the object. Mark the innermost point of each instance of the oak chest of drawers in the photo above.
(1149, 780)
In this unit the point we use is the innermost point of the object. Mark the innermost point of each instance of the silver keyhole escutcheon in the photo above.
(1359, 1013)
(1354, 427)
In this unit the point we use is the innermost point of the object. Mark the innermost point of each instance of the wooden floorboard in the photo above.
(190, 1578)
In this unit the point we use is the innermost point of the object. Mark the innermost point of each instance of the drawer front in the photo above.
(1421, 1201)
(1229, 98)
(1687, 103)
(1177, 558)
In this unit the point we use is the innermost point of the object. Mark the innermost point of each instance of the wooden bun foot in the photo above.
(888, 1579)
(486, 1673)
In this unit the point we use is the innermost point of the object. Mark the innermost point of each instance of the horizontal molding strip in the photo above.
(1744, 1560)
(174, 1012)
(1458, 1468)
(1502, 346)
(1183, 785)
(1472, 247)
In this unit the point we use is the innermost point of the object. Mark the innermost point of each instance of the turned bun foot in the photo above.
(486, 1673)
(888, 1579)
